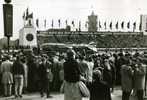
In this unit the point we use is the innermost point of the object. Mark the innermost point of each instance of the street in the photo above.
(116, 95)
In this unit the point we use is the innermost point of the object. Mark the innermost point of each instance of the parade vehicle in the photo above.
(61, 47)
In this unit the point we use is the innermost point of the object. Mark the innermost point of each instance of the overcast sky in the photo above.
(107, 10)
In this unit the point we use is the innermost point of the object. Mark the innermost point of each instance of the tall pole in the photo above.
(8, 39)
(8, 20)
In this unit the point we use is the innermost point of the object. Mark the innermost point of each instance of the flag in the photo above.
(23, 16)
(73, 23)
(66, 22)
(59, 22)
(116, 25)
(79, 25)
(45, 23)
(52, 23)
(100, 25)
(37, 22)
(29, 16)
(122, 25)
(105, 25)
(27, 13)
(134, 25)
(110, 25)
(128, 25)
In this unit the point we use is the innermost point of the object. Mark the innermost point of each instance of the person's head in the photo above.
(81, 57)
(71, 54)
(7, 57)
(23, 59)
(126, 61)
(97, 75)
(18, 58)
(106, 61)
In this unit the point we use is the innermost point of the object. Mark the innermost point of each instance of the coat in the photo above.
(25, 75)
(99, 91)
(126, 78)
(6, 68)
(71, 77)
(139, 77)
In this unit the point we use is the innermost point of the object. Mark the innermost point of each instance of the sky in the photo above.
(77, 10)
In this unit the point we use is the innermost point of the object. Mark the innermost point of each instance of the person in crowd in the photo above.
(98, 88)
(23, 60)
(113, 69)
(126, 79)
(32, 73)
(45, 76)
(107, 77)
(61, 72)
(71, 77)
(90, 64)
(56, 70)
(119, 63)
(139, 78)
(83, 67)
(7, 77)
(18, 73)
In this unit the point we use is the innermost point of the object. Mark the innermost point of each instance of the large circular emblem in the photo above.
(29, 37)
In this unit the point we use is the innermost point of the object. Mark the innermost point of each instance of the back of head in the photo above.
(97, 74)
(7, 57)
(17, 57)
(70, 54)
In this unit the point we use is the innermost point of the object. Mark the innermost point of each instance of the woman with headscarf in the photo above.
(71, 77)
(98, 88)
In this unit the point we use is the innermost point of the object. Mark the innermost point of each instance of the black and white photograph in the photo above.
(73, 49)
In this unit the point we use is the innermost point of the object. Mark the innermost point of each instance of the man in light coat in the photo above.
(139, 78)
(7, 78)
(126, 79)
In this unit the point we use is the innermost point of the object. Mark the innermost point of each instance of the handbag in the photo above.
(83, 89)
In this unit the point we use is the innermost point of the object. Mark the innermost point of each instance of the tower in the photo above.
(92, 22)
(28, 34)
(143, 24)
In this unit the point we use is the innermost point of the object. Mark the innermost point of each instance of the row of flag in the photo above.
(59, 23)
(116, 25)
(101, 25)
(104, 25)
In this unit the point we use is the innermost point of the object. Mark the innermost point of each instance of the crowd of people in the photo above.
(21, 73)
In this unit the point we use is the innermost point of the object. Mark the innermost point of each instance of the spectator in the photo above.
(71, 77)
(126, 79)
(23, 60)
(107, 77)
(18, 72)
(45, 76)
(139, 78)
(98, 88)
(7, 78)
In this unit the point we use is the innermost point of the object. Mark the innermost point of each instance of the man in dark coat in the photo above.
(18, 72)
(107, 77)
(45, 76)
